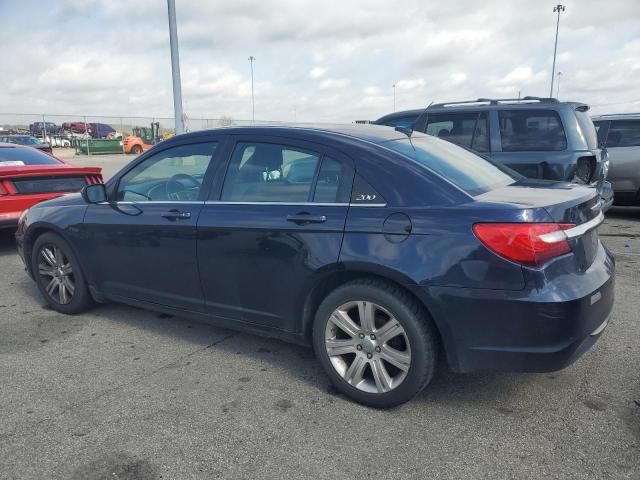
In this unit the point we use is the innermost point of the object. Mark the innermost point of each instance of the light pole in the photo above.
(559, 75)
(175, 68)
(253, 100)
(558, 8)
(394, 97)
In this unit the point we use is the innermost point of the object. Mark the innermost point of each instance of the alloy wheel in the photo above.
(56, 274)
(367, 347)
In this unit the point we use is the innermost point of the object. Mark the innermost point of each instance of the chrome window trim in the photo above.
(223, 202)
(576, 231)
(368, 204)
(158, 202)
(317, 204)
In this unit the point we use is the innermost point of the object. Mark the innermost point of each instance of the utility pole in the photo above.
(253, 100)
(394, 97)
(559, 75)
(175, 68)
(558, 8)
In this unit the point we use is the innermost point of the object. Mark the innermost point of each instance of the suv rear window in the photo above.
(588, 129)
(624, 133)
(467, 129)
(463, 168)
(531, 130)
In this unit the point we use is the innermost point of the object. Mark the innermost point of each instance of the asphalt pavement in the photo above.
(122, 393)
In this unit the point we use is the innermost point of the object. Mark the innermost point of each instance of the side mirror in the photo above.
(96, 193)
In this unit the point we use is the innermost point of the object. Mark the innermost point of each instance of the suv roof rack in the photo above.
(497, 101)
(618, 114)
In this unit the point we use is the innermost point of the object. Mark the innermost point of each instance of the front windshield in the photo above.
(463, 168)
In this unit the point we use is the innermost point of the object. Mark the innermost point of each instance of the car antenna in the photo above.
(408, 131)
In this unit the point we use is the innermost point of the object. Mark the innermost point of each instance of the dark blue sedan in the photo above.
(376, 248)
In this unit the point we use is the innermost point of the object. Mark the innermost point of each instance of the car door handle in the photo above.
(176, 215)
(302, 218)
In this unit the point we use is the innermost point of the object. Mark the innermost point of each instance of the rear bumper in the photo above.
(606, 196)
(534, 330)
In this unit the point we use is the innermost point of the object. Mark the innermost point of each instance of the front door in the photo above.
(276, 222)
(144, 240)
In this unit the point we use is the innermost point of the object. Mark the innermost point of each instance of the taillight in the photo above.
(3, 191)
(530, 244)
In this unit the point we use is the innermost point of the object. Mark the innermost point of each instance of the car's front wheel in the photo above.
(58, 275)
(376, 343)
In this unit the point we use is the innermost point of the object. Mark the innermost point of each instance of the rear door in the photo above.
(277, 220)
(144, 241)
(533, 142)
(469, 129)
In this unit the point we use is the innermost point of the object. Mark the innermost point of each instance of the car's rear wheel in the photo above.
(376, 343)
(59, 276)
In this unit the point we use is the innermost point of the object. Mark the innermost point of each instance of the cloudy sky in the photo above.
(329, 60)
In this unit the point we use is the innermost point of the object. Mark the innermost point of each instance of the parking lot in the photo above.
(123, 393)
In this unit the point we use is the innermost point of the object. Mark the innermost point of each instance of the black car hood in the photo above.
(65, 200)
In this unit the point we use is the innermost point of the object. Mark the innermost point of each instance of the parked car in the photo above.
(28, 176)
(27, 140)
(537, 137)
(620, 135)
(390, 250)
(45, 128)
(78, 127)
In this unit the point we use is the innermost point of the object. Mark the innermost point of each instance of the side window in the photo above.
(467, 129)
(400, 121)
(266, 172)
(175, 174)
(624, 133)
(328, 182)
(531, 130)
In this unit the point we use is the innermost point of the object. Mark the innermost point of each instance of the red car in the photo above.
(29, 176)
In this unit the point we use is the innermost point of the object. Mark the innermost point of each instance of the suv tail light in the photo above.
(525, 243)
(3, 190)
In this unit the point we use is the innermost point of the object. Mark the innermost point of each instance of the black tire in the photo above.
(81, 299)
(411, 315)
(136, 149)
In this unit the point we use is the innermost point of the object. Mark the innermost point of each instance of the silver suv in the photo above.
(620, 135)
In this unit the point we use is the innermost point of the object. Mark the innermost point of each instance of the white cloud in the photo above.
(335, 60)
(317, 72)
(330, 83)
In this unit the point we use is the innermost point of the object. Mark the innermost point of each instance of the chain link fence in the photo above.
(69, 131)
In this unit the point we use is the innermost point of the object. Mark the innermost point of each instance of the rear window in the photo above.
(531, 131)
(25, 156)
(467, 129)
(624, 133)
(588, 130)
(49, 184)
(463, 168)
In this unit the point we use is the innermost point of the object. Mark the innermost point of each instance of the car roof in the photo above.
(616, 116)
(366, 132)
(486, 104)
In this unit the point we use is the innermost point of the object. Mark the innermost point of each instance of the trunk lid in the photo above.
(564, 203)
